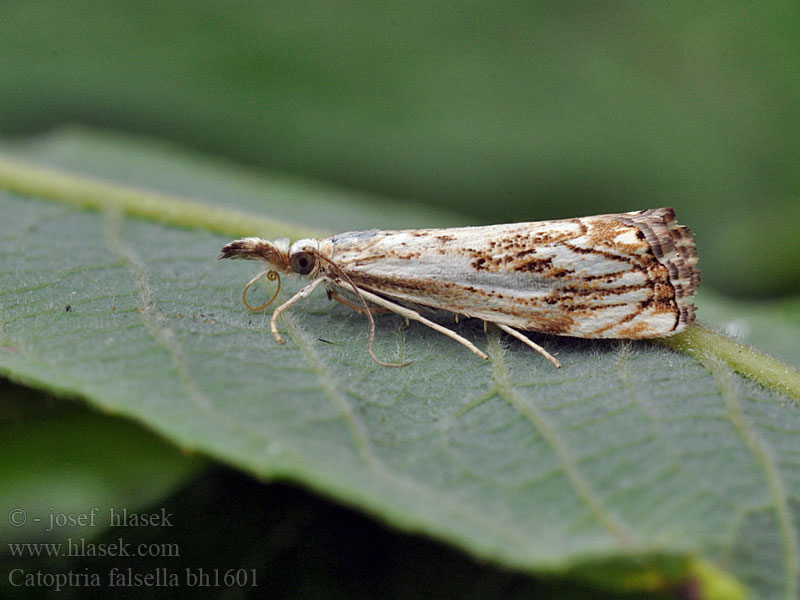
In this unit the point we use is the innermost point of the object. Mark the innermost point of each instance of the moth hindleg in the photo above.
(525, 340)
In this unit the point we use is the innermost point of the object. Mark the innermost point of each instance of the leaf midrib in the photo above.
(82, 191)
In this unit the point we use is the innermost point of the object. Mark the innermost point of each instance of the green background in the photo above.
(463, 113)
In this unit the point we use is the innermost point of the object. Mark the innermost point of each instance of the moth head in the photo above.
(274, 253)
(303, 256)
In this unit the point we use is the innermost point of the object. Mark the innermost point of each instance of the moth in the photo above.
(629, 275)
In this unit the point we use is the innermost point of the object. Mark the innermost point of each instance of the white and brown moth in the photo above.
(629, 275)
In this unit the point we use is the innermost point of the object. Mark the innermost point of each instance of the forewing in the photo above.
(628, 275)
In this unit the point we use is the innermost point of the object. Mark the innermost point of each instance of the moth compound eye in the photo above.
(302, 262)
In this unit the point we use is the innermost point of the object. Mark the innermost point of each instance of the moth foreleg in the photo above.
(303, 293)
(525, 340)
(332, 295)
(411, 314)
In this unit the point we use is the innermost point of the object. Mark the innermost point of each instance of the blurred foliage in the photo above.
(59, 459)
(505, 111)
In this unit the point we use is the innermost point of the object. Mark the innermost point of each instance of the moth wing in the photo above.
(629, 275)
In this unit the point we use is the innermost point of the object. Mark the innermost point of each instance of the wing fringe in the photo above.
(674, 247)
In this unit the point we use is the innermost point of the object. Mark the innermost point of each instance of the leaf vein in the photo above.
(612, 523)
(658, 433)
(775, 484)
(330, 388)
(374, 462)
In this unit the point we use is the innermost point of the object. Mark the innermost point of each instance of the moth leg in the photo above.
(411, 314)
(525, 340)
(303, 293)
(339, 298)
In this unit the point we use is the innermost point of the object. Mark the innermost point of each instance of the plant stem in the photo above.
(705, 344)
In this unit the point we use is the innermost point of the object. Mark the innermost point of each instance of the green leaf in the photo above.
(633, 467)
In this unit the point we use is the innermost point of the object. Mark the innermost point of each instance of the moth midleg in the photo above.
(303, 293)
(411, 314)
(525, 340)
(358, 309)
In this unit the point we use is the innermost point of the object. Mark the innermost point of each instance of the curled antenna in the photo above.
(272, 276)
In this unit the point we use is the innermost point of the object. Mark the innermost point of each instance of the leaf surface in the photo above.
(630, 452)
